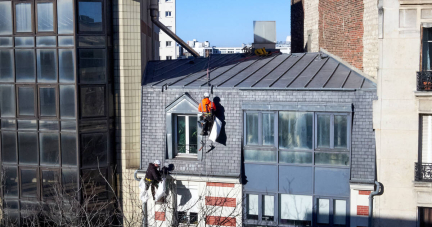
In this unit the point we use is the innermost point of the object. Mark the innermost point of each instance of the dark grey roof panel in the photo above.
(295, 71)
(308, 74)
(266, 69)
(324, 74)
(273, 77)
(251, 70)
(338, 78)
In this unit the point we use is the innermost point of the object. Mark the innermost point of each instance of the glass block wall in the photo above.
(56, 101)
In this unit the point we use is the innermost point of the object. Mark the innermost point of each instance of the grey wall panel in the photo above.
(332, 181)
(295, 179)
(261, 178)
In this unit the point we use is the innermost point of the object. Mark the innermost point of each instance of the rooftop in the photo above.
(280, 71)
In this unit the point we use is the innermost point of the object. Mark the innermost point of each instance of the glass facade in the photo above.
(55, 127)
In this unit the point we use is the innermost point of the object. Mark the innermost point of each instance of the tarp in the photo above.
(160, 192)
(217, 126)
(143, 192)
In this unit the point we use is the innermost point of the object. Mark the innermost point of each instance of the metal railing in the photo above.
(187, 148)
(423, 172)
(424, 81)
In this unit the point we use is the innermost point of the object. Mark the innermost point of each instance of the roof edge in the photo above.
(353, 68)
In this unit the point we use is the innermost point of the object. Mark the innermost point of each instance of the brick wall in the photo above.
(341, 29)
(220, 221)
(227, 159)
(220, 201)
(363, 210)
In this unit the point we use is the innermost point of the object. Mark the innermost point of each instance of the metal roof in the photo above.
(279, 71)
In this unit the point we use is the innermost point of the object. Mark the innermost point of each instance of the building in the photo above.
(167, 15)
(297, 134)
(68, 71)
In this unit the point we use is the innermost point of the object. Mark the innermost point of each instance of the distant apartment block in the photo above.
(167, 15)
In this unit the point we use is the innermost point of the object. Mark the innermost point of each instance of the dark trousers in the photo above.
(154, 185)
(208, 123)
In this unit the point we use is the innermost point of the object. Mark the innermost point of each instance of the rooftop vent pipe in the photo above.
(154, 11)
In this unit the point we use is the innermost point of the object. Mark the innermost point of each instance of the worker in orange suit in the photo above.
(207, 108)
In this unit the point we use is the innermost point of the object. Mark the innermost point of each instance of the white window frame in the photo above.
(168, 42)
(187, 154)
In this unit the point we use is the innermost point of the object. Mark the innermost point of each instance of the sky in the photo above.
(229, 23)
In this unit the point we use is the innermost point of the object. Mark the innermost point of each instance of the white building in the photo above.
(167, 15)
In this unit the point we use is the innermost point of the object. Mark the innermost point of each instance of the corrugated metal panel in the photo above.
(295, 71)
(263, 71)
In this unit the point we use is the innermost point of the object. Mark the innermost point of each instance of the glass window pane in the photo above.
(26, 101)
(6, 65)
(252, 128)
(23, 17)
(181, 134)
(260, 156)
(66, 41)
(47, 102)
(67, 66)
(323, 211)
(48, 125)
(94, 149)
(332, 159)
(9, 147)
(70, 180)
(7, 100)
(68, 149)
(94, 184)
(92, 101)
(11, 182)
(268, 208)
(5, 41)
(252, 206)
(65, 16)
(28, 183)
(49, 182)
(92, 65)
(25, 66)
(45, 17)
(49, 148)
(45, 41)
(295, 157)
(90, 16)
(88, 41)
(27, 148)
(323, 133)
(27, 125)
(67, 101)
(268, 128)
(340, 212)
(6, 18)
(296, 210)
(8, 124)
(193, 134)
(340, 131)
(24, 42)
(295, 130)
(68, 125)
(47, 65)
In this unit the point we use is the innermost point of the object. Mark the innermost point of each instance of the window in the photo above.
(45, 17)
(7, 100)
(295, 210)
(23, 17)
(45, 41)
(29, 183)
(259, 137)
(6, 18)
(27, 148)
(24, 42)
(425, 147)
(427, 49)
(186, 128)
(252, 206)
(92, 101)
(67, 101)
(49, 148)
(331, 211)
(168, 57)
(90, 17)
(11, 182)
(168, 43)
(425, 216)
(47, 66)
(48, 102)
(65, 41)
(268, 208)
(25, 66)
(92, 65)
(167, 13)
(260, 207)
(26, 101)
(187, 203)
(68, 149)
(94, 149)
(65, 17)
(9, 147)
(49, 180)
(66, 65)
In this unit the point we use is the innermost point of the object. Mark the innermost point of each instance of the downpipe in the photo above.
(374, 193)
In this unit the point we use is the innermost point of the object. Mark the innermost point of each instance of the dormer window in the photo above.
(186, 139)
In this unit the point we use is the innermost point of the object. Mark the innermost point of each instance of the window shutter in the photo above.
(426, 139)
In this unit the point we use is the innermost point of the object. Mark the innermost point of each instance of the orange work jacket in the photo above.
(206, 106)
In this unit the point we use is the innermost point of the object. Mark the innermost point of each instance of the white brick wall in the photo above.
(370, 38)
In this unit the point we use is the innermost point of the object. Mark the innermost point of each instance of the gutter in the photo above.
(154, 11)
(374, 193)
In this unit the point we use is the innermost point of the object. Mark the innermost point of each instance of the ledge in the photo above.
(423, 93)
(422, 184)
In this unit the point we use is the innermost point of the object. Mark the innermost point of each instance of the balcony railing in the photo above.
(423, 172)
(424, 81)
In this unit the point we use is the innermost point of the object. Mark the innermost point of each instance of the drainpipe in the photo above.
(374, 193)
(154, 11)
